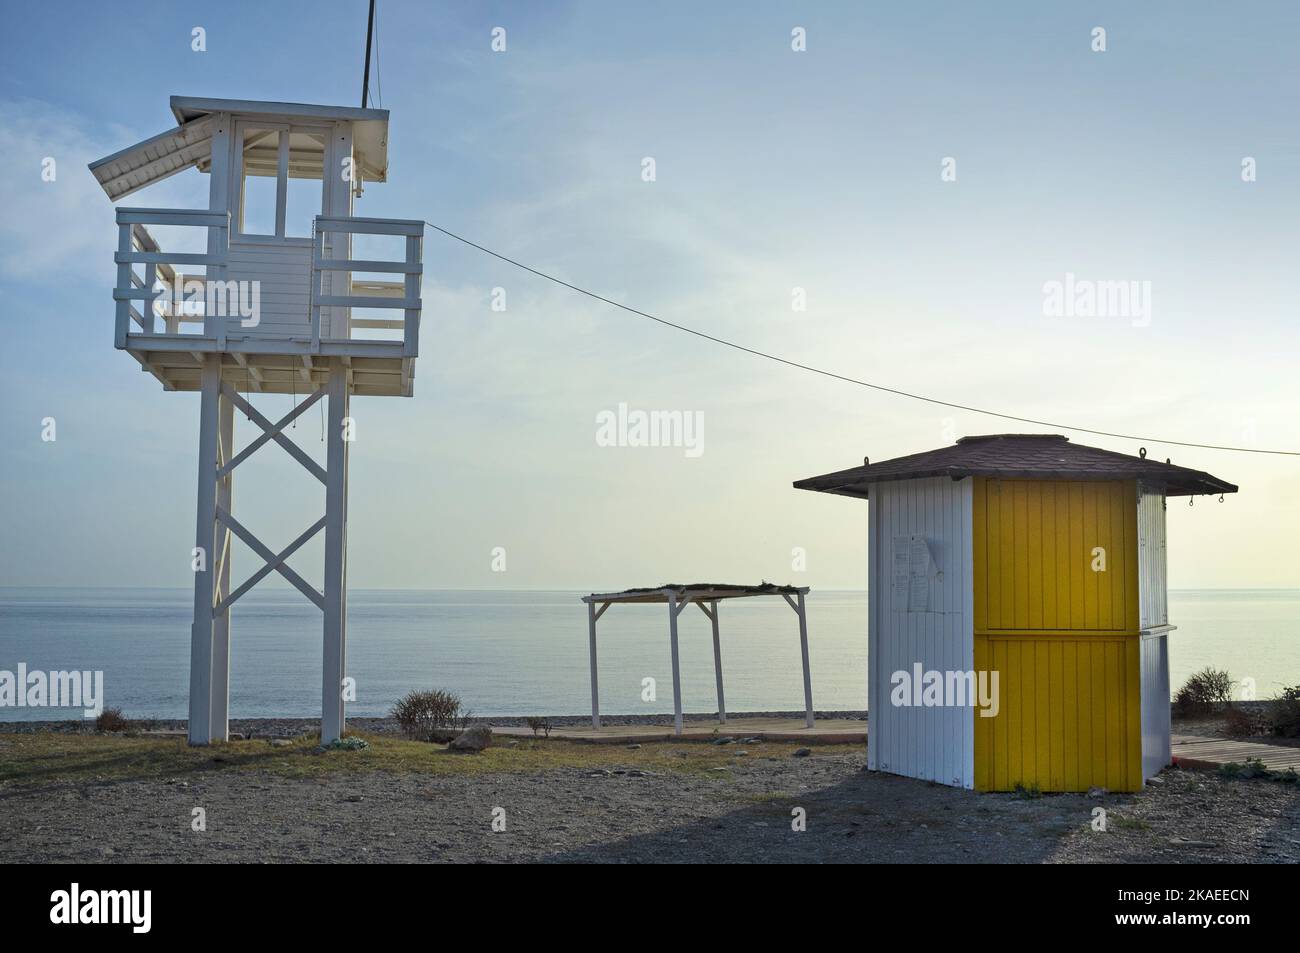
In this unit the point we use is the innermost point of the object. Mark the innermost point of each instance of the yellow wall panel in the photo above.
(1033, 549)
(1069, 714)
(1062, 636)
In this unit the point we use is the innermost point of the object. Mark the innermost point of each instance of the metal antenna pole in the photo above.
(365, 80)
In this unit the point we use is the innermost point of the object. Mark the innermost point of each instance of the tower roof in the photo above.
(1033, 455)
(189, 145)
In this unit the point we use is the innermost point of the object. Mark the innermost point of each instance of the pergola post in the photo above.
(595, 689)
(677, 674)
(717, 664)
(803, 647)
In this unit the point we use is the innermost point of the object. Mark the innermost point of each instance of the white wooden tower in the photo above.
(270, 310)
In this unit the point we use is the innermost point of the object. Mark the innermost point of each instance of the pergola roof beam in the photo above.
(708, 592)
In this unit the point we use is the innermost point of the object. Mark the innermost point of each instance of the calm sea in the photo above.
(522, 653)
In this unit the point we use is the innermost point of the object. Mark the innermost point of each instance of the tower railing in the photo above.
(136, 246)
(401, 295)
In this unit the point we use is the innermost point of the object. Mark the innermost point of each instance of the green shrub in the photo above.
(422, 715)
(1284, 713)
(1254, 768)
(111, 719)
(1202, 691)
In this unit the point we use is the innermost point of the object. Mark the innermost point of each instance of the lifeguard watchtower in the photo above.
(270, 311)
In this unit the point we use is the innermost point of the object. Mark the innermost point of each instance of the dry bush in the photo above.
(425, 716)
(1240, 723)
(1201, 692)
(1284, 713)
(111, 719)
(539, 724)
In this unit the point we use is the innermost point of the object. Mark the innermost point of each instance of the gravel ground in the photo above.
(740, 814)
(1194, 817)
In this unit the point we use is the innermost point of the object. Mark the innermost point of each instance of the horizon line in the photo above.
(3, 588)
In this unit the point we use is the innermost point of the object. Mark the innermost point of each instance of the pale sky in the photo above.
(775, 170)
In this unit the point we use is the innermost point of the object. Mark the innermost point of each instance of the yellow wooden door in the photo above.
(1056, 616)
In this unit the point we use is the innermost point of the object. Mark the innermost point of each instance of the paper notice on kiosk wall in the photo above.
(919, 583)
(912, 568)
(901, 573)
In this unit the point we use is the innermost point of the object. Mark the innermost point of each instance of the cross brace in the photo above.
(273, 561)
(272, 432)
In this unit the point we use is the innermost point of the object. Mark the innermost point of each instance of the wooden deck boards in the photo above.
(824, 731)
(1197, 751)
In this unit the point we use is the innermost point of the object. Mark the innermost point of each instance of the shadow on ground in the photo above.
(866, 818)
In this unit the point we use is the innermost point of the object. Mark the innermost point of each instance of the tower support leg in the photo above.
(336, 544)
(220, 729)
(205, 557)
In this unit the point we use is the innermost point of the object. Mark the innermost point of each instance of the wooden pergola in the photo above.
(706, 596)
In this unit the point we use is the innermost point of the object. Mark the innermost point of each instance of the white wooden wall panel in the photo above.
(284, 272)
(1154, 614)
(1155, 703)
(937, 743)
(1153, 601)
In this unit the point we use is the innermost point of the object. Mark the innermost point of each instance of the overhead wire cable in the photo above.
(766, 355)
